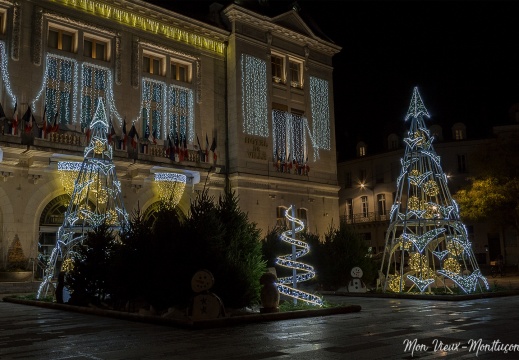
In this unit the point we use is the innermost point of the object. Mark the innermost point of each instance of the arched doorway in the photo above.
(150, 215)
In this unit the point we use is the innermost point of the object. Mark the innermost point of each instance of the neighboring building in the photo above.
(368, 186)
(247, 104)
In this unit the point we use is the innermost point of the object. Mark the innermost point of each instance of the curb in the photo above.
(189, 323)
(425, 296)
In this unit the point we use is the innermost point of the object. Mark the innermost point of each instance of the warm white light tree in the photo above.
(427, 245)
(96, 197)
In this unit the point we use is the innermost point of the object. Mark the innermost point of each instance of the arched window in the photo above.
(302, 214)
(280, 216)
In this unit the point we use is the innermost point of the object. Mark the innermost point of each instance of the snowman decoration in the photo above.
(356, 285)
(205, 304)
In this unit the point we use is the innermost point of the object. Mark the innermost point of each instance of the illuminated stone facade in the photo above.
(249, 105)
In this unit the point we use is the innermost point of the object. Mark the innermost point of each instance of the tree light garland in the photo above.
(97, 177)
(289, 261)
(425, 215)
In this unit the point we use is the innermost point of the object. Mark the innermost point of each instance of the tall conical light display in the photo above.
(300, 271)
(95, 199)
(427, 244)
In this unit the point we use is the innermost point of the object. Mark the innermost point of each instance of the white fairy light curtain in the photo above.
(289, 132)
(254, 96)
(180, 113)
(319, 101)
(427, 245)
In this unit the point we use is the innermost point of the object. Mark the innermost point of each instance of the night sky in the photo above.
(462, 55)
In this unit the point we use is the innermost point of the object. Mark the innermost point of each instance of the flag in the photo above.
(44, 123)
(186, 153)
(125, 137)
(55, 127)
(170, 152)
(147, 132)
(199, 149)
(88, 131)
(206, 148)
(154, 137)
(177, 144)
(112, 132)
(132, 134)
(213, 149)
(27, 119)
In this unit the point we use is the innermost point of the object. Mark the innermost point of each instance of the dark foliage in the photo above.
(90, 278)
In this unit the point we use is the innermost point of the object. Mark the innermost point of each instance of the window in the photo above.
(280, 216)
(95, 48)
(94, 84)
(459, 131)
(302, 214)
(461, 164)
(289, 137)
(3, 21)
(180, 71)
(349, 209)
(365, 207)
(379, 174)
(347, 180)
(62, 39)
(152, 64)
(277, 63)
(295, 74)
(362, 176)
(59, 88)
(392, 142)
(361, 149)
(381, 200)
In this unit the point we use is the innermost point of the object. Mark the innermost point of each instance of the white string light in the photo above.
(319, 102)
(254, 96)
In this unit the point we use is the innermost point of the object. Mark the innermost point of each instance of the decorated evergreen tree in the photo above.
(426, 243)
(96, 197)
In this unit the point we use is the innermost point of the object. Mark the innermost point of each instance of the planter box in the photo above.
(15, 276)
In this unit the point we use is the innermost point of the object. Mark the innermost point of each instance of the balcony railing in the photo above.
(361, 218)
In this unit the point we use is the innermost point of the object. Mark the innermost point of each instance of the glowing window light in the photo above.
(171, 187)
(319, 101)
(5, 73)
(289, 261)
(129, 18)
(254, 96)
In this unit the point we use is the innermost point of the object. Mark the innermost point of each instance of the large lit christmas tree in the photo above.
(95, 197)
(427, 245)
(300, 271)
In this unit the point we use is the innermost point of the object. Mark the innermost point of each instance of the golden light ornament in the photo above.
(99, 146)
(111, 217)
(431, 211)
(419, 134)
(418, 263)
(171, 187)
(414, 203)
(455, 248)
(414, 173)
(67, 265)
(394, 283)
(431, 188)
(452, 265)
(405, 245)
(101, 195)
(68, 173)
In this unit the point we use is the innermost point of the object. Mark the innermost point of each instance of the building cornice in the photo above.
(237, 13)
(155, 20)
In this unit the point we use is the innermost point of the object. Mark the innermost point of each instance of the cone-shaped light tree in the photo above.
(427, 244)
(300, 271)
(95, 199)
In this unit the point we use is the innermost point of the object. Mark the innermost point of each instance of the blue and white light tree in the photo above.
(300, 271)
(427, 244)
(95, 198)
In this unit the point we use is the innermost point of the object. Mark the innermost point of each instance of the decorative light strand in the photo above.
(254, 96)
(289, 261)
(5, 73)
(171, 187)
(319, 102)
